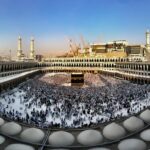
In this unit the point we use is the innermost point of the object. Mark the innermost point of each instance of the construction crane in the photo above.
(86, 46)
(77, 49)
(74, 48)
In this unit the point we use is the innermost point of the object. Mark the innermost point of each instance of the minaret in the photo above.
(148, 41)
(19, 51)
(32, 51)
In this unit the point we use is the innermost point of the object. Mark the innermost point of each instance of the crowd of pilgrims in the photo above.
(45, 102)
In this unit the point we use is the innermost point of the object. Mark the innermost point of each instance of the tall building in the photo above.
(32, 50)
(118, 45)
(148, 40)
(19, 51)
(135, 52)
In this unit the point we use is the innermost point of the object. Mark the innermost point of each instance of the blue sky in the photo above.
(51, 22)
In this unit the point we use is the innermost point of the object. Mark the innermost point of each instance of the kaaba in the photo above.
(77, 79)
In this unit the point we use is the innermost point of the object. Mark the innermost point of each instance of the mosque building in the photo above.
(111, 63)
(114, 49)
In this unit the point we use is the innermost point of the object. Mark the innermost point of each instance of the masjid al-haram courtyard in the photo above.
(81, 100)
(60, 90)
(49, 101)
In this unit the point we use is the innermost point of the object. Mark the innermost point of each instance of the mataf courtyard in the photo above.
(42, 110)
